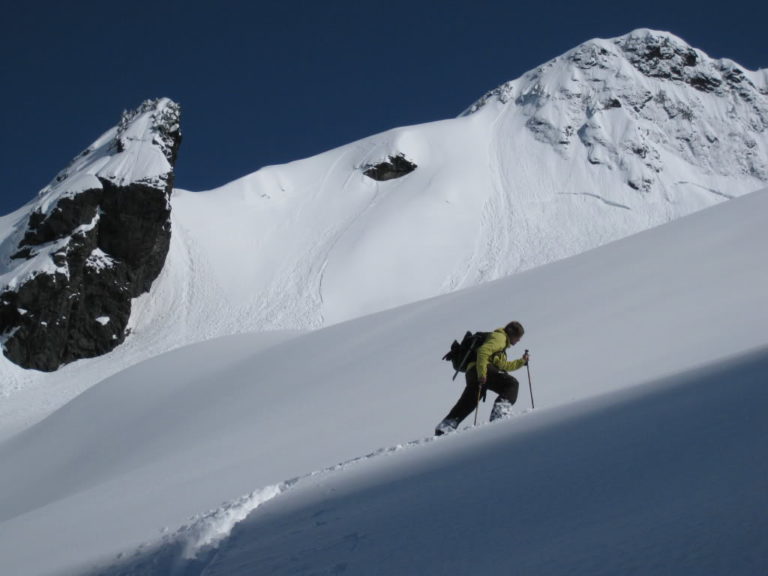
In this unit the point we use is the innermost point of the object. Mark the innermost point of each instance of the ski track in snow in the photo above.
(492, 245)
(327, 245)
(707, 189)
(191, 548)
(510, 257)
(597, 197)
(498, 210)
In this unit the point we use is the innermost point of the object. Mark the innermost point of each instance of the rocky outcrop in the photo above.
(95, 238)
(391, 168)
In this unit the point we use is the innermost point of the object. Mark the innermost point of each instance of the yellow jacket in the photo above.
(493, 351)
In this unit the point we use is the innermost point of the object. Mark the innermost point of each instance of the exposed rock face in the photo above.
(95, 238)
(393, 167)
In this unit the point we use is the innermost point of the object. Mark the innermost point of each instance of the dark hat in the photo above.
(514, 329)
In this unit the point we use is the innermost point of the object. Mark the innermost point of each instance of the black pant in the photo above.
(503, 384)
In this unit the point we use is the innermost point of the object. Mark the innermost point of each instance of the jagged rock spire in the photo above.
(96, 237)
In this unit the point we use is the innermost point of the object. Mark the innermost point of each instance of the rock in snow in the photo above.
(96, 237)
(393, 167)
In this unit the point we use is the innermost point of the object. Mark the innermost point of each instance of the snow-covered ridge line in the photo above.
(140, 148)
(654, 53)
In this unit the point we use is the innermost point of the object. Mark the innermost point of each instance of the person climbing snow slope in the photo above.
(489, 372)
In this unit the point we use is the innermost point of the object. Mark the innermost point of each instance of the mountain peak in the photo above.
(652, 36)
(94, 238)
(141, 148)
(629, 101)
(664, 55)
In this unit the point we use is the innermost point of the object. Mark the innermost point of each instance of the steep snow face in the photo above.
(94, 238)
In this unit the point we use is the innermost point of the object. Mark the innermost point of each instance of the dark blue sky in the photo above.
(267, 82)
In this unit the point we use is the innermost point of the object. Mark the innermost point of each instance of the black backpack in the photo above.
(464, 353)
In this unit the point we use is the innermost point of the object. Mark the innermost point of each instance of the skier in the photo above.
(489, 372)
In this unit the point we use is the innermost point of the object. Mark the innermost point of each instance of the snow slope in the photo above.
(670, 481)
(181, 433)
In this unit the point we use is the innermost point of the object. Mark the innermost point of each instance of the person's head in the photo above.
(514, 332)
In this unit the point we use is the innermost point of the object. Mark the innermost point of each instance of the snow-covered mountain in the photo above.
(611, 138)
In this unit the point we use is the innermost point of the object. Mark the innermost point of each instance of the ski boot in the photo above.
(502, 408)
(446, 426)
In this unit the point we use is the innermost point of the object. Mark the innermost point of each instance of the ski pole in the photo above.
(479, 395)
(530, 386)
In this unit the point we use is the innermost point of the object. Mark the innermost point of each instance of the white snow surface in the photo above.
(643, 453)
